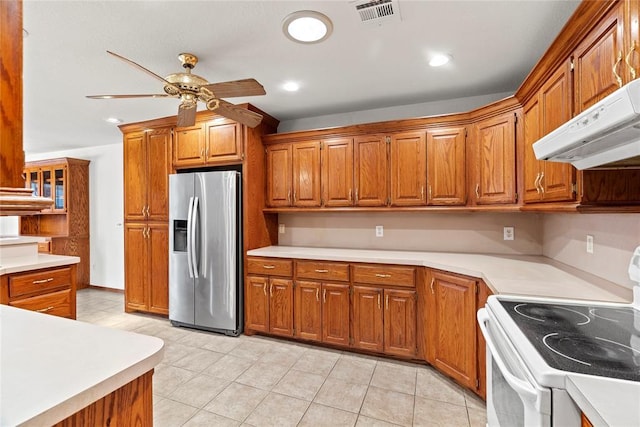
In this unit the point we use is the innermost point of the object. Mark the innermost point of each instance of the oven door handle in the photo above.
(524, 388)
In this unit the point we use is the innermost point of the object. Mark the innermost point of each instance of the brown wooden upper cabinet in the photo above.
(543, 180)
(49, 181)
(279, 175)
(493, 160)
(337, 172)
(370, 170)
(408, 160)
(306, 174)
(146, 175)
(446, 166)
(218, 141)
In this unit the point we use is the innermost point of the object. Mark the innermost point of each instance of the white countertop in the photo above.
(606, 401)
(52, 367)
(18, 264)
(504, 274)
(19, 240)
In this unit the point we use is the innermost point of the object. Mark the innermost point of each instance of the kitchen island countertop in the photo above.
(52, 367)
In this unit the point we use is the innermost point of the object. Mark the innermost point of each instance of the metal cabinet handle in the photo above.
(632, 69)
(147, 211)
(324, 295)
(386, 302)
(477, 191)
(142, 212)
(350, 194)
(289, 197)
(535, 183)
(271, 290)
(430, 193)
(269, 267)
(295, 196)
(433, 279)
(378, 301)
(321, 271)
(44, 310)
(422, 193)
(36, 282)
(383, 275)
(540, 183)
(615, 68)
(356, 195)
(318, 294)
(264, 289)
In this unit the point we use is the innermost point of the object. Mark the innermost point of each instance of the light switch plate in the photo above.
(281, 228)
(589, 244)
(508, 233)
(379, 231)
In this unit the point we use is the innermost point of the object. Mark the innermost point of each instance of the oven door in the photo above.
(513, 397)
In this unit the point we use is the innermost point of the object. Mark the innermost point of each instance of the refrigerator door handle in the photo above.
(194, 223)
(189, 238)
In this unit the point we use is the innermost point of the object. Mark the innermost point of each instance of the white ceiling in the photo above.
(494, 45)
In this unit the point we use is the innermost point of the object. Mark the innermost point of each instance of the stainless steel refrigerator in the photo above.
(205, 251)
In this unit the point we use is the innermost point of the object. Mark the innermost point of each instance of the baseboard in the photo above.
(104, 288)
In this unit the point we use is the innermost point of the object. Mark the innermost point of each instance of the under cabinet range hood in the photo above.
(607, 135)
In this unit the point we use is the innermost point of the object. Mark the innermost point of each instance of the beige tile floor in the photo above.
(207, 379)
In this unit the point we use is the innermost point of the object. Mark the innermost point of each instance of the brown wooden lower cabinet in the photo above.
(400, 322)
(367, 318)
(321, 312)
(269, 305)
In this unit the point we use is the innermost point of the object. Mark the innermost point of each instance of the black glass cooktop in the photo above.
(592, 340)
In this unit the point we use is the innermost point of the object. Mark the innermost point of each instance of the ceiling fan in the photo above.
(191, 88)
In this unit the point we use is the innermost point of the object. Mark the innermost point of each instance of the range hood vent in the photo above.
(377, 11)
(607, 135)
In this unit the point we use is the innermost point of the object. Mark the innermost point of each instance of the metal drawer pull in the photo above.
(271, 290)
(50, 279)
(386, 302)
(264, 289)
(318, 294)
(269, 267)
(378, 301)
(383, 275)
(432, 282)
(324, 295)
(321, 271)
(43, 310)
(477, 191)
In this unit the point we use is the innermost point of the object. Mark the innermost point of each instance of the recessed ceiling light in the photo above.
(439, 60)
(291, 86)
(307, 26)
(113, 120)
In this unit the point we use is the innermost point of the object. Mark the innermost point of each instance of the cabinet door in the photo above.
(367, 318)
(451, 326)
(308, 310)
(189, 146)
(281, 306)
(223, 142)
(279, 175)
(408, 158)
(33, 180)
(136, 264)
(158, 267)
(557, 179)
(59, 186)
(596, 59)
(135, 176)
(446, 166)
(495, 161)
(400, 322)
(337, 172)
(46, 174)
(371, 170)
(306, 174)
(335, 314)
(158, 169)
(257, 303)
(532, 166)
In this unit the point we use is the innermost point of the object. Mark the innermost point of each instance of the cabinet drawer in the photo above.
(384, 275)
(270, 266)
(55, 303)
(44, 247)
(39, 282)
(333, 271)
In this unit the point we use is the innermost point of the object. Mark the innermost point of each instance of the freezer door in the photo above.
(181, 285)
(217, 296)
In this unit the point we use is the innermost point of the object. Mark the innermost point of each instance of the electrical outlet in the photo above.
(379, 231)
(589, 244)
(281, 228)
(508, 233)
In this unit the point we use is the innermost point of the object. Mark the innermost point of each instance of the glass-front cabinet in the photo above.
(49, 182)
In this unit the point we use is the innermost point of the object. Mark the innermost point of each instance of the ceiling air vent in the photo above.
(378, 11)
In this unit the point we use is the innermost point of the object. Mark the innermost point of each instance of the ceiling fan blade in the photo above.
(140, 67)
(239, 114)
(186, 115)
(246, 87)
(158, 95)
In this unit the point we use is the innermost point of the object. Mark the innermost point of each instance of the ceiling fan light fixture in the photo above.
(291, 86)
(307, 27)
(439, 59)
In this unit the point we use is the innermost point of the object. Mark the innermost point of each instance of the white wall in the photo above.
(458, 105)
(9, 226)
(420, 231)
(615, 236)
(105, 210)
